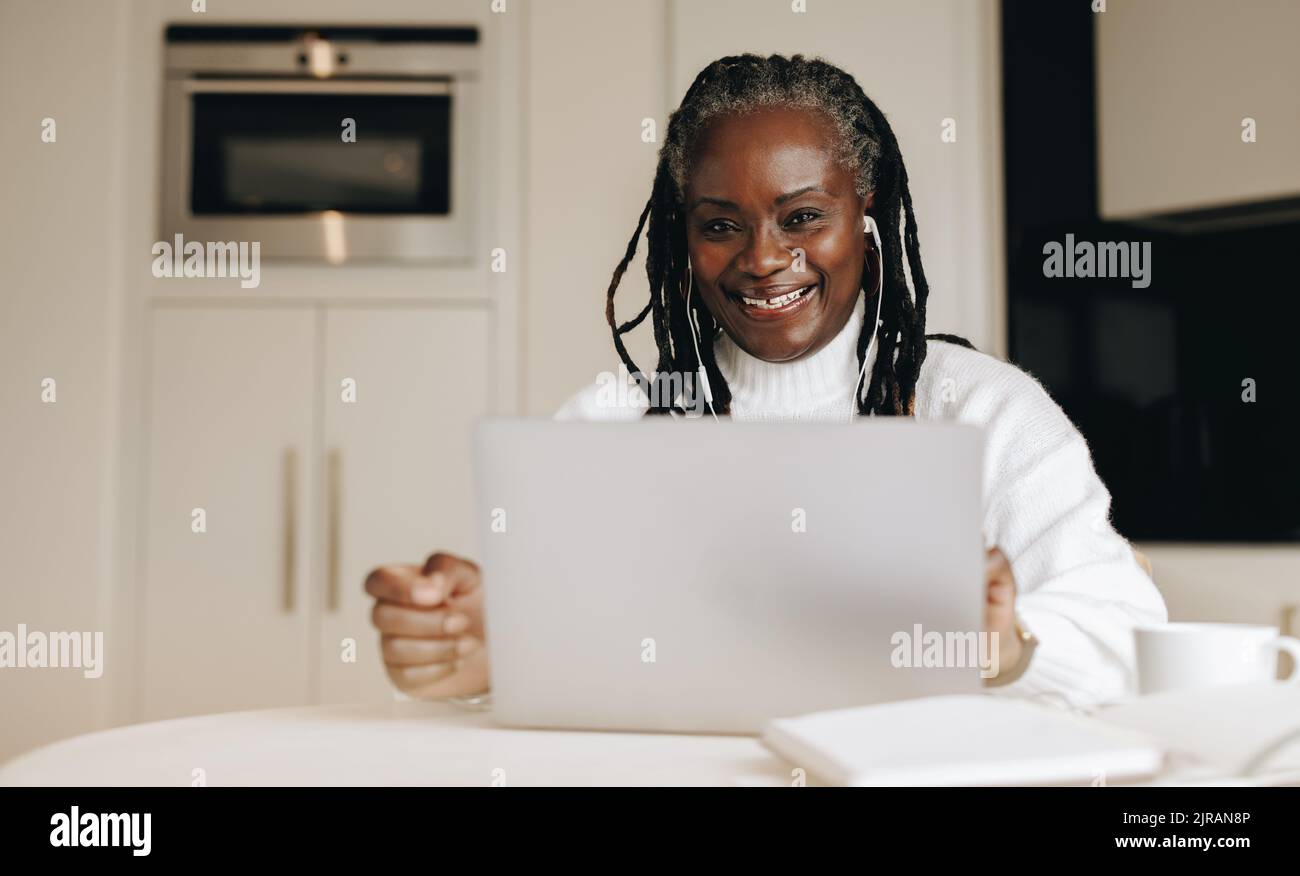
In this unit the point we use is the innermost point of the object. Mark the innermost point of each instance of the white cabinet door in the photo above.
(397, 464)
(1171, 123)
(224, 620)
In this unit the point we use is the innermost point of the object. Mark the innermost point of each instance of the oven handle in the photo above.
(314, 86)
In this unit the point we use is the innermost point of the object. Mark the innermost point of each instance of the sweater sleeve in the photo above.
(1080, 590)
(614, 397)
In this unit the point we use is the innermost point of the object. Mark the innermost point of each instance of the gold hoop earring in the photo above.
(687, 289)
(879, 262)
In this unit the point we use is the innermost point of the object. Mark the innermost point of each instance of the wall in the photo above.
(587, 176)
(1175, 78)
(59, 312)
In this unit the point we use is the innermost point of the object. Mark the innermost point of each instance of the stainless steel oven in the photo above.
(330, 143)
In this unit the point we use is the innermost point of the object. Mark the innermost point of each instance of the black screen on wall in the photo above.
(1187, 389)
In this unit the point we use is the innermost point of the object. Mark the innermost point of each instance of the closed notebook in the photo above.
(961, 740)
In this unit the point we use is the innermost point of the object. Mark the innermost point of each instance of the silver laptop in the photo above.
(690, 575)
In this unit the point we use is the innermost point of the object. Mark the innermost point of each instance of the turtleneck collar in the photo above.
(816, 387)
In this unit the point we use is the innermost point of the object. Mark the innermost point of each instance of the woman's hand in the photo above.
(1000, 608)
(430, 621)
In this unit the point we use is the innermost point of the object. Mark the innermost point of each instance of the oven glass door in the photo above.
(277, 148)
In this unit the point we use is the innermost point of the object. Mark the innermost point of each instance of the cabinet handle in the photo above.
(1286, 626)
(335, 465)
(290, 487)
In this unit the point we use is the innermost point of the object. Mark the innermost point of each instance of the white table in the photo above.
(400, 743)
(410, 743)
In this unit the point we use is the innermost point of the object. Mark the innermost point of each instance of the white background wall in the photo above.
(1175, 78)
(594, 71)
(59, 315)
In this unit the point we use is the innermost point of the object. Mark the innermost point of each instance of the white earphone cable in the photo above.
(695, 339)
(875, 326)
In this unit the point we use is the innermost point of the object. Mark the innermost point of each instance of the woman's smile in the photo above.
(767, 303)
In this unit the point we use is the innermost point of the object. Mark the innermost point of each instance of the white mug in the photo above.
(1185, 656)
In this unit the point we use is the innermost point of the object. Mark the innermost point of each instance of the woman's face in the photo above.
(762, 186)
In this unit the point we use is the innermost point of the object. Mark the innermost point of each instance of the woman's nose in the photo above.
(764, 254)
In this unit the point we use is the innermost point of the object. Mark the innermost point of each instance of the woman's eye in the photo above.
(804, 217)
(718, 226)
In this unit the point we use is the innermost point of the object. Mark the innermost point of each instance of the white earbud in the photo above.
(870, 225)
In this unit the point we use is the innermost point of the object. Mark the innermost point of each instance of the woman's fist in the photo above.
(430, 622)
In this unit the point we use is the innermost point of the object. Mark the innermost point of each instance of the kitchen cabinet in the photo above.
(289, 451)
(222, 614)
(1196, 110)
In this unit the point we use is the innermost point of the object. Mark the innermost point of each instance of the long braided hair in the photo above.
(866, 146)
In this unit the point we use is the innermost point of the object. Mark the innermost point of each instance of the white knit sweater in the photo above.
(1081, 591)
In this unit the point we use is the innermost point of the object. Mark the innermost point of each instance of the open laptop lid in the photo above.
(694, 575)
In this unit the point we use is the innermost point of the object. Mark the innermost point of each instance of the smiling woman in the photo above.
(780, 218)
